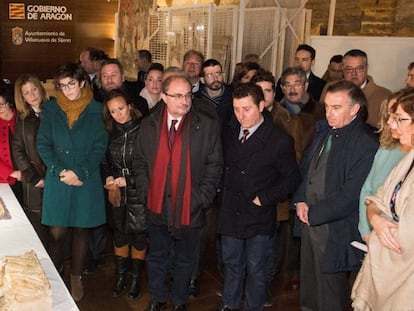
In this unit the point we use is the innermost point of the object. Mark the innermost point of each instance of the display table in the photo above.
(18, 236)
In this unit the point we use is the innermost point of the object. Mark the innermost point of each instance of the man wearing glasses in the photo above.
(214, 91)
(305, 59)
(178, 167)
(355, 67)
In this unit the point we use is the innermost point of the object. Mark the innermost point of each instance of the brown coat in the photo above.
(302, 128)
(28, 161)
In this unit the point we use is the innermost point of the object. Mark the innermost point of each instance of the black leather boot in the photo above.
(134, 290)
(121, 270)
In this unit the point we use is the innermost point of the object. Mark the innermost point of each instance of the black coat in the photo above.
(118, 163)
(205, 154)
(264, 166)
(224, 108)
(348, 164)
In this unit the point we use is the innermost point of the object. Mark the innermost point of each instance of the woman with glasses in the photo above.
(391, 151)
(9, 173)
(153, 82)
(72, 142)
(128, 220)
(386, 278)
(29, 95)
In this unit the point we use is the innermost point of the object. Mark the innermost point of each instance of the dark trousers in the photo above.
(320, 291)
(276, 250)
(200, 250)
(161, 244)
(97, 243)
(250, 254)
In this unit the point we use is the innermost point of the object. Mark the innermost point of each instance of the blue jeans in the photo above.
(161, 245)
(239, 254)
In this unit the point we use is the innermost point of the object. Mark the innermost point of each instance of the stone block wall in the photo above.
(364, 17)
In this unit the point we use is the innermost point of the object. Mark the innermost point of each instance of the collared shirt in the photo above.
(364, 84)
(251, 129)
(195, 87)
(170, 118)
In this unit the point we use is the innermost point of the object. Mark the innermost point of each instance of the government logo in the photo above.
(17, 35)
(16, 10)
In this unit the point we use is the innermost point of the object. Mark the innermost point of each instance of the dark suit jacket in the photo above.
(348, 164)
(205, 154)
(264, 166)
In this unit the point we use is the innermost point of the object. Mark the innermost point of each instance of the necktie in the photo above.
(244, 137)
(171, 133)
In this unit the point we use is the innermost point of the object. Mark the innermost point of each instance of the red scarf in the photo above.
(179, 158)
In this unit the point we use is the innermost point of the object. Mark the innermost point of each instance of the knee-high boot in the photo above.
(138, 257)
(135, 288)
(121, 274)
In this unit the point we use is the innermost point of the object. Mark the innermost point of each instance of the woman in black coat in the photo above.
(128, 219)
(29, 95)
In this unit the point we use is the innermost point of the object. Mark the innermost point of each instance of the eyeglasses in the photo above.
(70, 86)
(398, 119)
(357, 69)
(188, 96)
(294, 85)
(4, 104)
(213, 74)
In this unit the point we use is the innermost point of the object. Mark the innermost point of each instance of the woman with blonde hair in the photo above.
(386, 278)
(29, 96)
(389, 154)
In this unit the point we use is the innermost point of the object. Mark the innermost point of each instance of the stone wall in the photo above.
(364, 17)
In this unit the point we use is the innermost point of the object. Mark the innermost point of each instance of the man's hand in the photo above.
(302, 210)
(257, 201)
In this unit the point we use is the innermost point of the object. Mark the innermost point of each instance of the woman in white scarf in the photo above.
(153, 81)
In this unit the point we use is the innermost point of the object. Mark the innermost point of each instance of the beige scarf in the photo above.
(73, 108)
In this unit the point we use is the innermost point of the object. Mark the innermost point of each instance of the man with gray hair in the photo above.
(327, 201)
(192, 62)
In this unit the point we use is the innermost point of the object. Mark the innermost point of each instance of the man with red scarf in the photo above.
(178, 167)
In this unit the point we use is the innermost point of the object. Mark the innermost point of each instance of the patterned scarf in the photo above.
(73, 108)
(180, 173)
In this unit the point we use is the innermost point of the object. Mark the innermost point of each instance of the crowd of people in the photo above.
(301, 163)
